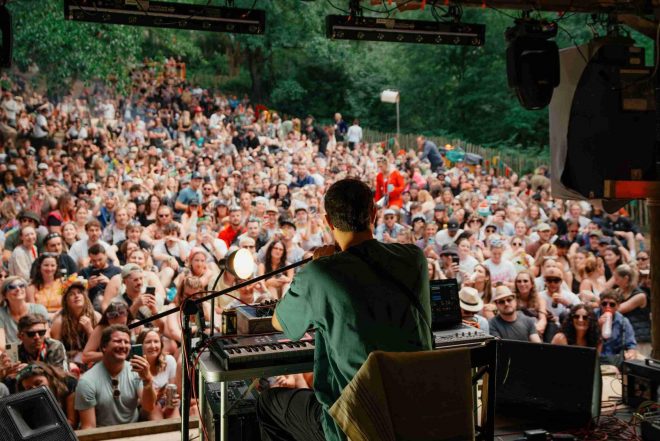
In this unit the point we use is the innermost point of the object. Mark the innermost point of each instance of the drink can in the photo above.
(170, 395)
(229, 326)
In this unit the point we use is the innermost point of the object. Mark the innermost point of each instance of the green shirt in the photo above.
(356, 310)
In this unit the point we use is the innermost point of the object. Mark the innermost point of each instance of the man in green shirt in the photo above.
(370, 296)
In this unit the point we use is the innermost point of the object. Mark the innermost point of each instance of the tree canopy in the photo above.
(294, 68)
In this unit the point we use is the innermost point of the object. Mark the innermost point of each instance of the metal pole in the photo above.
(397, 119)
(654, 229)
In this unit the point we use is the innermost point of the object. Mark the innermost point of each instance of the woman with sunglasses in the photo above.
(517, 255)
(76, 321)
(46, 284)
(14, 306)
(579, 328)
(116, 313)
(60, 383)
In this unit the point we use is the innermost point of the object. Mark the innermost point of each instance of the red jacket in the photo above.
(228, 234)
(397, 181)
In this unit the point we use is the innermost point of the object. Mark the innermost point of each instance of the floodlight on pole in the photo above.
(392, 97)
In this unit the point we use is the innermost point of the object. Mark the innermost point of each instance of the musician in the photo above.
(370, 296)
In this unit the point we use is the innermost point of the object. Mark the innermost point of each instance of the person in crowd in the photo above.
(579, 328)
(36, 346)
(481, 281)
(529, 301)
(61, 384)
(111, 391)
(163, 370)
(14, 307)
(275, 258)
(188, 288)
(116, 313)
(79, 251)
(389, 230)
(501, 271)
(471, 307)
(24, 254)
(54, 244)
(509, 324)
(621, 344)
(635, 306)
(389, 184)
(75, 323)
(46, 284)
(98, 274)
(13, 239)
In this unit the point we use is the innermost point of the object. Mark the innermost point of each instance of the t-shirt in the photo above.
(95, 390)
(356, 309)
(504, 271)
(163, 377)
(11, 327)
(520, 329)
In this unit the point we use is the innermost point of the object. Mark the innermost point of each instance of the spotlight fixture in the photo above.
(167, 15)
(351, 27)
(532, 61)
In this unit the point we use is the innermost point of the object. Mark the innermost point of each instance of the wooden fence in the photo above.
(502, 161)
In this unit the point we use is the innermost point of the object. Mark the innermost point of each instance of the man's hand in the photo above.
(326, 250)
(557, 297)
(630, 354)
(140, 366)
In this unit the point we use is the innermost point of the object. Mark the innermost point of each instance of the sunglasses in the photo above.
(516, 244)
(490, 230)
(164, 215)
(503, 301)
(115, 314)
(33, 334)
(581, 317)
(643, 258)
(14, 286)
(553, 280)
(610, 304)
(522, 281)
(248, 246)
(116, 393)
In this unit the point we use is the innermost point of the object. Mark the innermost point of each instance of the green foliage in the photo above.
(445, 90)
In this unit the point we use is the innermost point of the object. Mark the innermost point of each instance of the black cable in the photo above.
(337, 8)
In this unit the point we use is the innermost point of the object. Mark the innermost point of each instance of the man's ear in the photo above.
(374, 213)
(327, 221)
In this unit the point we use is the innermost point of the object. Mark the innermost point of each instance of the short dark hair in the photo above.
(96, 249)
(610, 294)
(29, 320)
(106, 335)
(93, 223)
(349, 204)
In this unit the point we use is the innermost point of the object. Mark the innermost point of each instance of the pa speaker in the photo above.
(33, 415)
(6, 32)
(602, 120)
(542, 385)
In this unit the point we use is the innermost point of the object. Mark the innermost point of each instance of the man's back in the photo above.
(357, 309)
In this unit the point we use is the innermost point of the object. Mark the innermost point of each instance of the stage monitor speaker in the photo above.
(550, 386)
(33, 415)
(602, 119)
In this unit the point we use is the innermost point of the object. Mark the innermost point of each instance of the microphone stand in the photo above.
(191, 307)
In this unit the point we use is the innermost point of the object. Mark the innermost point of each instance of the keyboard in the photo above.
(252, 351)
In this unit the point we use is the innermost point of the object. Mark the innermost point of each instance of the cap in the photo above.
(42, 166)
(452, 225)
(543, 227)
(128, 269)
(272, 209)
(91, 186)
(196, 175)
(234, 208)
(449, 249)
(286, 221)
(54, 220)
(26, 214)
(605, 240)
(194, 201)
(470, 300)
(221, 202)
(596, 233)
(389, 212)
(439, 207)
(418, 217)
(501, 292)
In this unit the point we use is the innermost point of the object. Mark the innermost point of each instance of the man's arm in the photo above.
(88, 418)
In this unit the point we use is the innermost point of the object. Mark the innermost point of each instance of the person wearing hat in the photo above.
(13, 237)
(418, 223)
(293, 252)
(389, 230)
(192, 192)
(440, 214)
(389, 184)
(471, 306)
(544, 232)
(508, 324)
(449, 234)
(594, 240)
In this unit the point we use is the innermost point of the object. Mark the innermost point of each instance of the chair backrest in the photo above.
(409, 396)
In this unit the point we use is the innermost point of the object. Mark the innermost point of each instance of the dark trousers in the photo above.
(289, 415)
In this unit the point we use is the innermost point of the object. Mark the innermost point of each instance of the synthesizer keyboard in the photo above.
(262, 350)
(459, 335)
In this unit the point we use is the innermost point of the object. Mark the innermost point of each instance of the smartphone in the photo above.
(12, 352)
(455, 259)
(150, 290)
(136, 350)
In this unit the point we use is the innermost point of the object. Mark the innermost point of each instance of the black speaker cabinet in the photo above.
(550, 386)
(641, 381)
(33, 415)
(242, 421)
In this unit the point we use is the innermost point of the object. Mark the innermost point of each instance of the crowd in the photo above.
(117, 207)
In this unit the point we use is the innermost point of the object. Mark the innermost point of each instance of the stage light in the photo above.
(532, 62)
(167, 15)
(240, 263)
(353, 27)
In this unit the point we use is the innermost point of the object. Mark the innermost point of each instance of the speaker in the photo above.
(602, 120)
(6, 31)
(551, 386)
(242, 414)
(533, 70)
(33, 415)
